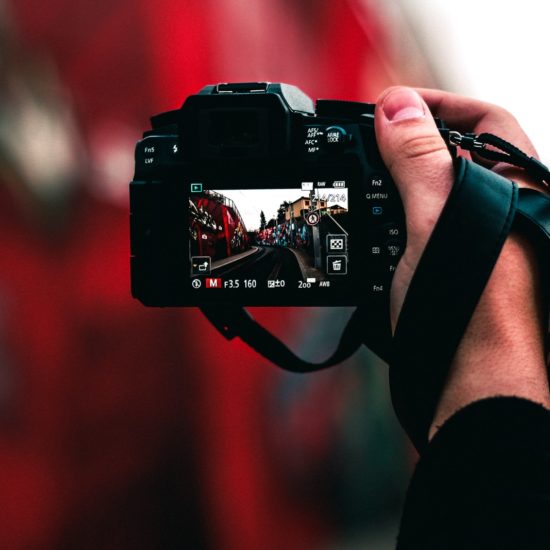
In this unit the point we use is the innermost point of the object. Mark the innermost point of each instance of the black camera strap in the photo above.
(498, 205)
(453, 271)
(232, 321)
(495, 148)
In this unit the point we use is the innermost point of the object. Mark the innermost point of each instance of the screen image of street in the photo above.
(292, 235)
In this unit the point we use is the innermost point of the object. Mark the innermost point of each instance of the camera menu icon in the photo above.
(337, 265)
(196, 283)
(200, 265)
(336, 243)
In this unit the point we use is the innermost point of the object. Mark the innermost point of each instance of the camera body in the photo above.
(251, 195)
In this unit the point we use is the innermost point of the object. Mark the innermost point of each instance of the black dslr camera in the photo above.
(251, 195)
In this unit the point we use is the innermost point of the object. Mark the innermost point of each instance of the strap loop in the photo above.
(506, 152)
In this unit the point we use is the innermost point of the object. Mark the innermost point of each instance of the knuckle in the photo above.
(498, 120)
(502, 113)
(420, 147)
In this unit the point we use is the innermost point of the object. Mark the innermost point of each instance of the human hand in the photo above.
(421, 166)
(506, 329)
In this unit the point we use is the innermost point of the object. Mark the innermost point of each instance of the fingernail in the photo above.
(403, 104)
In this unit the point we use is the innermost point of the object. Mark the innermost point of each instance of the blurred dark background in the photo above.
(123, 427)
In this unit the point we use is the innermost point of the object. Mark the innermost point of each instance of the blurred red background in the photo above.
(123, 427)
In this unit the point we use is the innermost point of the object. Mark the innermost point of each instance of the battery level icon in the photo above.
(311, 280)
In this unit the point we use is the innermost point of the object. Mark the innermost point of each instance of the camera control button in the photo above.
(149, 162)
(336, 243)
(155, 151)
(336, 138)
(394, 249)
(392, 231)
(147, 154)
(151, 152)
(377, 183)
(377, 286)
(201, 265)
(337, 265)
(375, 250)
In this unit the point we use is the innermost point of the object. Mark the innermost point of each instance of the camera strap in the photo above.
(232, 321)
(496, 149)
(458, 260)
(488, 206)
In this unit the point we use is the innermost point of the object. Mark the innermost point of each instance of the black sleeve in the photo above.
(483, 482)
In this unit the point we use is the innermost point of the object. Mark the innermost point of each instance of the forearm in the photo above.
(502, 351)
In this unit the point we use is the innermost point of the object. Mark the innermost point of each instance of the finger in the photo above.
(472, 115)
(417, 158)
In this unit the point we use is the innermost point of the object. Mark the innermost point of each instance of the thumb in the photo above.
(417, 159)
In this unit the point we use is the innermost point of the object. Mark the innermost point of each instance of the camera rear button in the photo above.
(375, 249)
(391, 230)
(394, 249)
(336, 138)
(377, 183)
(147, 154)
(149, 162)
(377, 286)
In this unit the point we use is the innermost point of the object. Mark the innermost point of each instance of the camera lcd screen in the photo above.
(270, 238)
